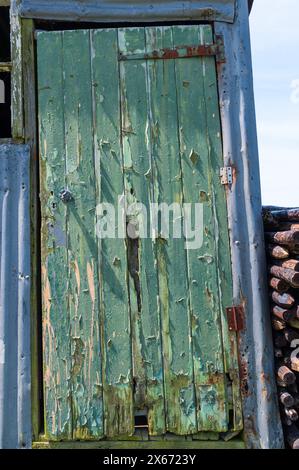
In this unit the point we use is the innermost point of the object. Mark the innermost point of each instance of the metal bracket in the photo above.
(180, 52)
(236, 318)
(226, 175)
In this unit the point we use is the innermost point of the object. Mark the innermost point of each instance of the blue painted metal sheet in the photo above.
(260, 405)
(15, 411)
(134, 10)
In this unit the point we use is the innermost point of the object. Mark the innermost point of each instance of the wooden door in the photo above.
(132, 323)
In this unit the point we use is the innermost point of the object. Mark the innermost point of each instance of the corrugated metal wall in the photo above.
(15, 411)
(260, 405)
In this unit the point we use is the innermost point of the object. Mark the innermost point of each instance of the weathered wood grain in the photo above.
(171, 253)
(288, 264)
(283, 300)
(284, 238)
(116, 328)
(279, 285)
(56, 317)
(222, 243)
(277, 251)
(31, 136)
(143, 283)
(284, 314)
(133, 323)
(203, 277)
(83, 281)
(288, 275)
(146, 445)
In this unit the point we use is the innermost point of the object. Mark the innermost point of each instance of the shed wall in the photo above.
(263, 428)
(260, 407)
(15, 406)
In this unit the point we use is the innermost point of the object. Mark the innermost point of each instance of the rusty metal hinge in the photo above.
(226, 175)
(236, 318)
(220, 55)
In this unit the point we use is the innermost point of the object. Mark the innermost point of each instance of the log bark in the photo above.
(289, 237)
(269, 219)
(278, 325)
(283, 300)
(288, 275)
(286, 215)
(288, 264)
(284, 314)
(286, 398)
(277, 251)
(285, 375)
(279, 285)
(285, 226)
(292, 414)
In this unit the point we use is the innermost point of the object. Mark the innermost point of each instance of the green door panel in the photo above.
(209, 375)
(56, 318)
(143, 281)
(133, 324)
(171, 255)
(114, 309)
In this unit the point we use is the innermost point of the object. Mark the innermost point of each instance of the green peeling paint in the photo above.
(132, 324)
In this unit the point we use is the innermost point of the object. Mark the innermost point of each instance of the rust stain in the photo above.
(244, 377)
(189, 51)
(203, 197)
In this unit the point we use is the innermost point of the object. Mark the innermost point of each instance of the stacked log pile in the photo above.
(282, 244)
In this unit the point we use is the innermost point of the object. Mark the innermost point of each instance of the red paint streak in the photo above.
(187, 51)
(169, 54)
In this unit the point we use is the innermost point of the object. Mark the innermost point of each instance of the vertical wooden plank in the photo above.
(56, 325)
(30, 134)
(116, 331)
(171, 254)
(83, 286)
(202, 262)
(221, 225)
(143, 282)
